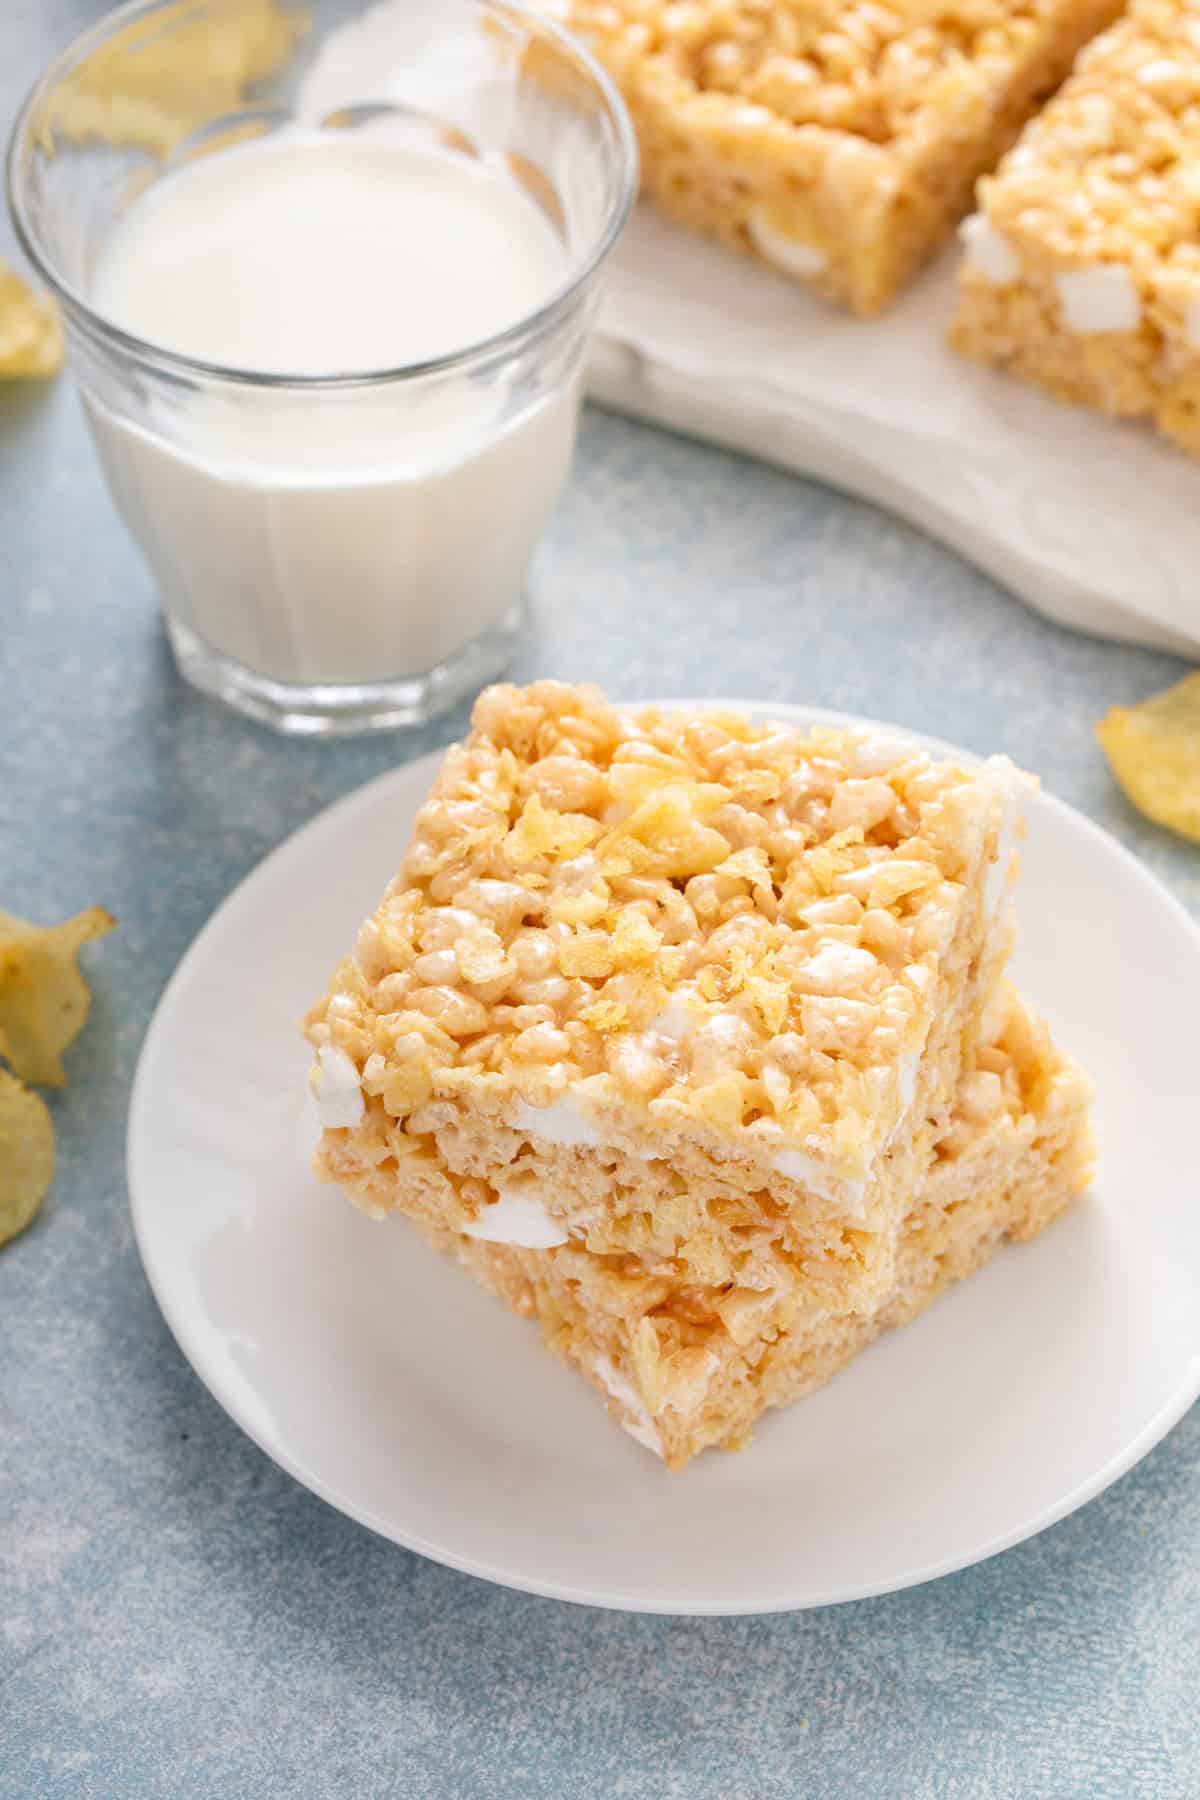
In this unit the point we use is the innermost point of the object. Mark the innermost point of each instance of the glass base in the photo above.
(344, 709)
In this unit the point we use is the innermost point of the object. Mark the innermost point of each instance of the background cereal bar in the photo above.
(838, 142)
(1082, 266)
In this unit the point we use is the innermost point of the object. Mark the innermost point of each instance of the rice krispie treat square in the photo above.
(1082, 266)
(683, 993)
(685, 1369)
(839, 142)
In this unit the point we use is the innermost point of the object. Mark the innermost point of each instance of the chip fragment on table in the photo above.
(26, 1155)
(1153, 750)
(44, 1000)
(31, 342)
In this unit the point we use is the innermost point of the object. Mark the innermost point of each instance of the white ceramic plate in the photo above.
(378, 1375)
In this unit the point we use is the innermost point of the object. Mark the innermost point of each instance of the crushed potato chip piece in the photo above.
(44, 1000)
(26, 1155)
(540, 831)
(30, 332)
(605, 1016)
(634, 939)
(588, 953)
(1153, 750)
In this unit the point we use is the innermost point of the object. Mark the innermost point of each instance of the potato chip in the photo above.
(1153, 750)
(44, 1000)
(30, 333)
(26, 1155)
(157, 80)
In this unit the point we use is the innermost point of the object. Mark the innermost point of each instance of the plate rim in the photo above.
(1169, 1413)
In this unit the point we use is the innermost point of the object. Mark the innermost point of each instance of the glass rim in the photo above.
(483, 350)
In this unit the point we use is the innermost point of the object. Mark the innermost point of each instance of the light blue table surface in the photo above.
(177, 1617)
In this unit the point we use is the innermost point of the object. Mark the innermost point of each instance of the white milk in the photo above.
(342, 536)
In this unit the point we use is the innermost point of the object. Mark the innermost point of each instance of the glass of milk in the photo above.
(327, 274)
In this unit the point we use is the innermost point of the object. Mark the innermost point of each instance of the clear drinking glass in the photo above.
(333, 553)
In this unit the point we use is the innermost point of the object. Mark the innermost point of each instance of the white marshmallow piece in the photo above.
(640, 1426)
(907, 1073)
(1099, 299)
(989, 251)
(675, 1020)
(790, 254)
(564, 1122)
(818, 1177)
(1010, 790)
(336, 1089)
(517, 1219)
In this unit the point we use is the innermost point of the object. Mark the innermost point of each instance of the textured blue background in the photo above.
(176, 1616)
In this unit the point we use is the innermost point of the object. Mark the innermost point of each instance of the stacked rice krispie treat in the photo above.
(1082, 268)
(838, 140)
(687, 1035)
